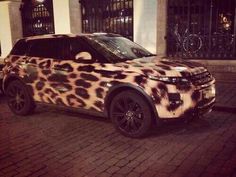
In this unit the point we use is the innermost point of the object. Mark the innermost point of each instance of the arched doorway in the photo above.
(37, 17)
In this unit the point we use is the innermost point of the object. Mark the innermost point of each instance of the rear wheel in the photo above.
(19, 100)
(131, 114)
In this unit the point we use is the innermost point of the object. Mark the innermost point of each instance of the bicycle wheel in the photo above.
(192, 43)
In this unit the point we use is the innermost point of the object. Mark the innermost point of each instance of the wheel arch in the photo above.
(122, 87)
(11, 78)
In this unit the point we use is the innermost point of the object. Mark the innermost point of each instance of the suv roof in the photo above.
(49, 36)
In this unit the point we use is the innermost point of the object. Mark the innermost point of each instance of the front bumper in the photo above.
(197, 101)
(205, 103)
(204, 106)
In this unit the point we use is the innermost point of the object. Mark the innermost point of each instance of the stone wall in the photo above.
(222, 70)
(75, 17)
(161, 27)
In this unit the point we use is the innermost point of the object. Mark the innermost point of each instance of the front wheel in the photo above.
(131, 114)
(19, 100)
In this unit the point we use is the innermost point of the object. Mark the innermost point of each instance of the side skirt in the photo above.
(78, 110)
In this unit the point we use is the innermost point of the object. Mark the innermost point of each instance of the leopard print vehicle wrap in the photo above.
(83, 85)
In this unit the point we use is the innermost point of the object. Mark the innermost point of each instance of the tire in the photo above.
(19, 100)
(131, 114)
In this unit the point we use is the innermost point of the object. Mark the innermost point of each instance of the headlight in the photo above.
(170, 80)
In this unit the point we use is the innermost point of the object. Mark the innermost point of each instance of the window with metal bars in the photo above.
(110, 16)
(202, 29)
(37, 17)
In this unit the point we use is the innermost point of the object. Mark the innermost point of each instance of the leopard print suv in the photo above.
(106, 74)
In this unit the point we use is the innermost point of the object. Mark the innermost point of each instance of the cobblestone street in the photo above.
(55, 142)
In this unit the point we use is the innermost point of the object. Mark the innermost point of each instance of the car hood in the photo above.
(155, 66)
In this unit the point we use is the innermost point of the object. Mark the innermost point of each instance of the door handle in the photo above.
(60, 68)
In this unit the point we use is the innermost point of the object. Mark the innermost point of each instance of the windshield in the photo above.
(117, 48)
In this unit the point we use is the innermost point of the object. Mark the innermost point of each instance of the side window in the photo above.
(78, 47)
(47, 48)
(20, 48)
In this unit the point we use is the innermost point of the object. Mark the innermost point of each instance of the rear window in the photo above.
(20, 48)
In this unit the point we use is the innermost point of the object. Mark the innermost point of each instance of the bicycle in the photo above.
(223, 42)
(189, 43)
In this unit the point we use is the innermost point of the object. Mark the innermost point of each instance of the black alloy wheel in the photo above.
(131, 114)
(19, 100)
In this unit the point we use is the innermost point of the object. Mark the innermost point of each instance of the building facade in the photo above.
(201, 29)
(191, 29)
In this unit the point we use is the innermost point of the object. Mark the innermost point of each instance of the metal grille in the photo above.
(202, 78)
(37, 17)
(201, 29)
(111, 16)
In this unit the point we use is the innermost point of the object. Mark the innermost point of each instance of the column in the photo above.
(5, 29)
(145, 23)
(67, 16)
(161, 27)
(61, 16)
(75, 17)
(11, 26)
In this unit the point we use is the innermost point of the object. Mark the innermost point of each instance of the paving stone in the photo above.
(149, 173)
(122, 162)
(58, 142)
(124, 170)
(112, 169)
(133, 174)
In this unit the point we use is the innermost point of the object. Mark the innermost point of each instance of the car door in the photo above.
(52, 70)
(75, 74)
(62, 68)
(38, 67)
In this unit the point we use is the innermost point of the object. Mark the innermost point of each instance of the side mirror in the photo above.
(83, 56)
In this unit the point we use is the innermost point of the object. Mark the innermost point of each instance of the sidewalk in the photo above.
(225, 96)
(224, 72)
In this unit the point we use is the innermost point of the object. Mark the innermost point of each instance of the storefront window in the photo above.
(112, 16)
(37, 17)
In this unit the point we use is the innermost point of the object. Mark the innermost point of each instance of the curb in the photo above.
(228, 109)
